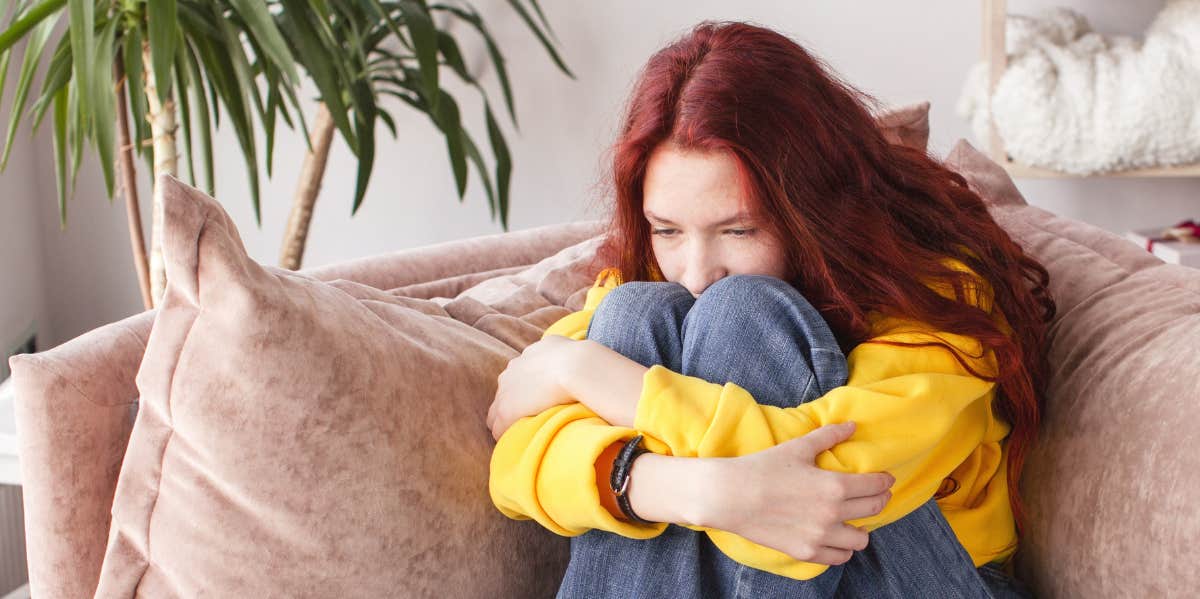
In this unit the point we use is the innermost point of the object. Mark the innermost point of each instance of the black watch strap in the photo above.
(619, 479)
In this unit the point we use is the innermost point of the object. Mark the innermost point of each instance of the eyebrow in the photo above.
(740, 216)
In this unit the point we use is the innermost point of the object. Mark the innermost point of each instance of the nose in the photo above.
(701, 271)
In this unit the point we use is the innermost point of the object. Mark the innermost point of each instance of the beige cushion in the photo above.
(303, 438)
(1112, 483)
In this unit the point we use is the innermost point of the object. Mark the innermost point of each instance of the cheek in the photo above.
(770, 258)
(665, 256)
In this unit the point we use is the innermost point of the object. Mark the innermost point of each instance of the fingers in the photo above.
(864, 507)
(831, 556)
(847, 538)
(866, 485)
(498, 424)
(825, 437)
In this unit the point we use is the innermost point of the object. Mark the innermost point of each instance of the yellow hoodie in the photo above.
(920, 416)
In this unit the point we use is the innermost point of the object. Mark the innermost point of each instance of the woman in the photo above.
(817, 335)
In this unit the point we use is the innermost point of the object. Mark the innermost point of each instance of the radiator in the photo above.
(13, 572)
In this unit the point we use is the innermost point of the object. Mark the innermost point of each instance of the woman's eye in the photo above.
(663, 232)
(740, 232)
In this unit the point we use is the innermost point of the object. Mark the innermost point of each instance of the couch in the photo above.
(1110, 487)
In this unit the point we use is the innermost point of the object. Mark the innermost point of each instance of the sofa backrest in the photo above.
(1110, 485)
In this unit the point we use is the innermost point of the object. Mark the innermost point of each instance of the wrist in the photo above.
(676, 490)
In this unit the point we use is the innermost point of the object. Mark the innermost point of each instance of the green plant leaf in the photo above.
(450, 122)
(29, 64)
(161, 22)
(290, 95)
(76, 126)
(269, 126)
(59, 141)
(4, 59)
(103, 95)
(263, 29)
(285, 115)
(27, 21)
(503, 162)
(261, 66)
(316, 58)
(83, 50)
(204, 129)
(541, 37)
(6, 52)
(364, 116)
(449, 49)
(195, 22)
(424, 39)
(223, 77)
(235, 53)
(183, 95)
(542, 17)
(446, 117)
(387, 120)
(57, 75)
(477, 159)
(493, 51)
(131, 53)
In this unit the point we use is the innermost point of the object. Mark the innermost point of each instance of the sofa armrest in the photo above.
(74, 408)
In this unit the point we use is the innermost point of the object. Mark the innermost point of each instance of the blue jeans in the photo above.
(763, 335)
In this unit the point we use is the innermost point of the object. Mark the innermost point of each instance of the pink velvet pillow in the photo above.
(302, 438)
(906, 125)
(983, 175)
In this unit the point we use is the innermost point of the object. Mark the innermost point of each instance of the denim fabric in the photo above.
(763, 335)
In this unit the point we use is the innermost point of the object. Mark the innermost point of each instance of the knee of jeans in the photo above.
(638, 304)
(750, 289)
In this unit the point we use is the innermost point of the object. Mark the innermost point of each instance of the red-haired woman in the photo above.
(804, 333)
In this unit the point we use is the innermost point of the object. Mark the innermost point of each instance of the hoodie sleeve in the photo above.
(543, 466)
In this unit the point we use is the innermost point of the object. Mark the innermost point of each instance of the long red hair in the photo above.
(867, 224)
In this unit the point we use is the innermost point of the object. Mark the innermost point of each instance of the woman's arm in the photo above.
(552, 468)
(920, 415)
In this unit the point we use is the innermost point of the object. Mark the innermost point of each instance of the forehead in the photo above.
(694, 187)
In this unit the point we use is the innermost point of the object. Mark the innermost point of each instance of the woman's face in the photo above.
(701, 225)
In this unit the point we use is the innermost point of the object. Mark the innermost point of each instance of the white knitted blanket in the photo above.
(1076, 101)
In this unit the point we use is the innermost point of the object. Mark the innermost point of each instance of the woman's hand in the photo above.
(532, 382)
(779, 498)
(558, 370)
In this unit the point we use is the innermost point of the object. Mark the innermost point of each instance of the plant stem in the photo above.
(162, 132)
(312, 173)
(129, 180)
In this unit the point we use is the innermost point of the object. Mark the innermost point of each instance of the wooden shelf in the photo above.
(994, 12)
(1016, 169)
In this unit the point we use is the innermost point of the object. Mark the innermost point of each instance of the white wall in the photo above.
(22, 276)
(899, 51)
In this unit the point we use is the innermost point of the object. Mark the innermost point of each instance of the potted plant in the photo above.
(166, 65)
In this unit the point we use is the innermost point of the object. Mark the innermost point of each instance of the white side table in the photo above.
(10, 470)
